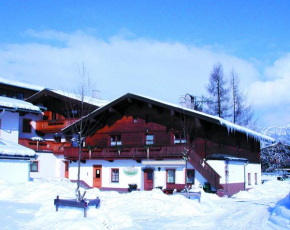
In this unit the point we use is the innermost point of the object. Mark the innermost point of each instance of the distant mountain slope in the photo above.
(280, 133)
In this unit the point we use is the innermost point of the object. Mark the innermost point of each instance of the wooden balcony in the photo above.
(125, 152)
(45, 146)
(53, 126)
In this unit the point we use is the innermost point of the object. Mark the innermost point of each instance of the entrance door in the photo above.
(148, 179)
(66, 169)
(97, 176)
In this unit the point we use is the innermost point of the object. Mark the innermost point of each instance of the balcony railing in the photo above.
(125, 152)
(204, 169)
(45, 146)
(53, 126)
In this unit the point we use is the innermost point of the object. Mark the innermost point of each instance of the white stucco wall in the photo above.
(9, 126)
(253, 168)
(237, 172)
(16, 171)
(124, 180)
(49, 166)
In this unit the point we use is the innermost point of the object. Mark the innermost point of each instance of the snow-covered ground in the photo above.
(30, 206)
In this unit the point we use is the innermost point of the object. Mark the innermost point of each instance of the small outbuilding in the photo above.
(15, 162)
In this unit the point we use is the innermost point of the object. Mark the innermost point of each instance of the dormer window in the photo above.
(179, 138)
(149, 139)
(116, 140)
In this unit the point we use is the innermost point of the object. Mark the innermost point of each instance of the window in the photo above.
(150, 175)
(115, 175)
(34, 166)
(179, 138)
(116, 140)
(170, 174)
(20, 95)
(190, 176)
(256, 178)
(149, 139)
(75, 140)
(249, 178)
(26, 126)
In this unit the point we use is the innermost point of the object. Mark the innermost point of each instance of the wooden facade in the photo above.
(17, 92)
(120, 131)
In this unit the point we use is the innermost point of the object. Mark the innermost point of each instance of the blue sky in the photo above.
(162, 49)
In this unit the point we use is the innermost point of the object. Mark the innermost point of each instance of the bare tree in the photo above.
(219, 93)
(81, 102)
(241, 113)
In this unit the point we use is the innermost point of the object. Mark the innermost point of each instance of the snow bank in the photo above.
(270, 189)
(117, 211)
(280, 218)
(30, 206)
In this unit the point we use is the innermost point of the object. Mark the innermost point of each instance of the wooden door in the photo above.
(66, 169)
(97, 176)
(148, 179)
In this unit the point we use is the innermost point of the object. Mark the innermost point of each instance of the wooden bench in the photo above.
(171, 187)
(190, 195)
(77, 204)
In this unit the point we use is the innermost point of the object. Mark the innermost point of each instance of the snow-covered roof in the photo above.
(231, 127)
(226, 157)
(18, 105)
(20, 84)
(13, 150)
(89, 100)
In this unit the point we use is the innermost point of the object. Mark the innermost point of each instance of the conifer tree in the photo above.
(218, 103)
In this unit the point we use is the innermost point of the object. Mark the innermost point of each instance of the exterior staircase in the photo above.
(204, 169)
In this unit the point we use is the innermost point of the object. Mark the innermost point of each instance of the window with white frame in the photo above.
(149, 139)
(179, 138)
(170, 174)
(116, 140)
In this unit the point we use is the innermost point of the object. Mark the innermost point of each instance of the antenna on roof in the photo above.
(192, 102)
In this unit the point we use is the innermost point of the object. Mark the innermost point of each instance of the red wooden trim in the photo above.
(188, 170)
(167, 176)
(95, 167)
(112, 175)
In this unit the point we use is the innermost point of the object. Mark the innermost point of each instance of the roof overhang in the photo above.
(129, 97)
